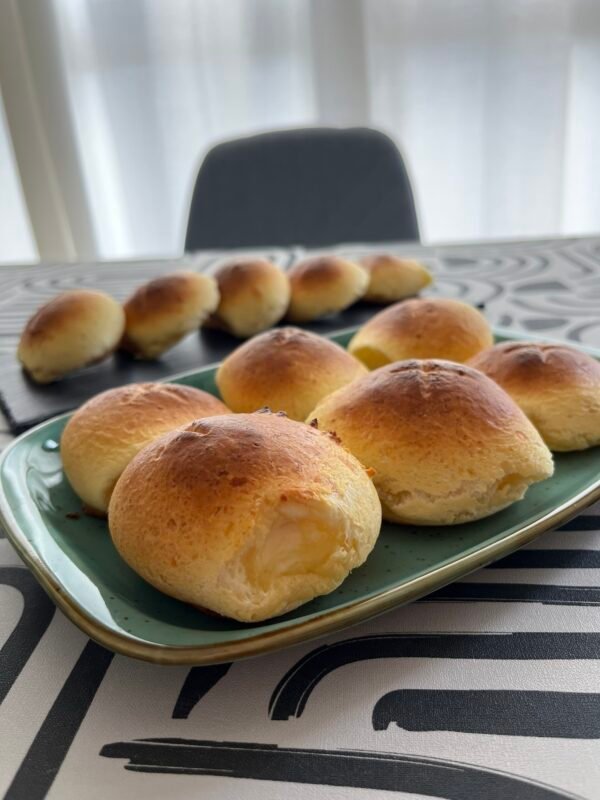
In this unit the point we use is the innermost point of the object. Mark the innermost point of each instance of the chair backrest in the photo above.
(313, 187)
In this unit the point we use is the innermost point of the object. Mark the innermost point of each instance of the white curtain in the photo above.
(494, 103)
(153, 83)
(16, 239)
(498, 107)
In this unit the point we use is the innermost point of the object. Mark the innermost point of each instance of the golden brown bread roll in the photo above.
(558, 387)
(77, 328)
(446, 443)
(433, 327)
(247, 515)
(104, 434)
(254, 296)
(392, 278)
(164, 310)
(324, 285)
(286, 369)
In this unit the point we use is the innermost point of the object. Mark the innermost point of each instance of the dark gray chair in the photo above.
(313, 187)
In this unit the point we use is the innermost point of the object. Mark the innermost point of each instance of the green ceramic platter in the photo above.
(75, 561)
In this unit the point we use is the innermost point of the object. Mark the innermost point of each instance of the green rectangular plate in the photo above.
(76, 563)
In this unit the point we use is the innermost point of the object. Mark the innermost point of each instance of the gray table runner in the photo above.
(487, 689)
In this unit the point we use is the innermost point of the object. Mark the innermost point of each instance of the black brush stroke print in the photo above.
(546, 594)
(292, 692)
(566, 715)
(199, 681)
(451, 780)
(35, 618)
(51, 744)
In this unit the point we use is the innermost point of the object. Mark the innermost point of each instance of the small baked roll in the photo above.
(558, 387)
(422, 328)
(324, 285)
(247, 515)
(392, 278)
(104, 434)
(71, 331)
(254, 296)
(161, 312)
(286, 369)
(447, 444)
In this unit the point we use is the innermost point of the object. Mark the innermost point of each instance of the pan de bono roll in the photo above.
(247, 515)
(104, 434)
(558, 387)
(324, 285)
(164, 310)
(77, 328)
(432, 327)
(286, 369)
(392, 278)
(446, 443)
(254, 296)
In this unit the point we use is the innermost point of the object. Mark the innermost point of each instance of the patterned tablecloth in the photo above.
(494, 694)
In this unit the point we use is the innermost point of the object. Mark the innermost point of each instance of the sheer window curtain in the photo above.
(17, 243)
(495, 104)
(152, 84)
(498, 106)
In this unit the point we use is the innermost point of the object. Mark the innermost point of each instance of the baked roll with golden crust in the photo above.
(246, 515)
(392, 278)
(447, 444)
(73, 330)
(557, 386)
(432, 327)
(255, 294)
(285, 369)
(102, 436)
(324, 285)
(164, 310)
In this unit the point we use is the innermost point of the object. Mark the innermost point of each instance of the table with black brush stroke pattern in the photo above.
(489, 688)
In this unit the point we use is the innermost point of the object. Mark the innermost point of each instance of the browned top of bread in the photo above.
(239, 278)
(423, 401)
(289, 353)
(161, 296)
(286, 369)
(106, 432)
(237, 445)
(535, 366)
(385, 260)
(59, 314)
(219, 464)
(138, 400)
(433, 327)
(317, 272)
